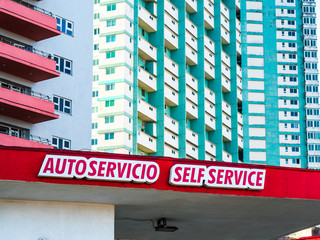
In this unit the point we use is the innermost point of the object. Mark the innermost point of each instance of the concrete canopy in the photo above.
(289, 201)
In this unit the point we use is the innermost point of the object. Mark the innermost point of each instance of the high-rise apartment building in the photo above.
(168, 80)
(45, 73)
(281, 98)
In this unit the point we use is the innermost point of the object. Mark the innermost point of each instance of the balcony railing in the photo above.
(28, 5)
(22, 133)
(23, 89)
(25, 47)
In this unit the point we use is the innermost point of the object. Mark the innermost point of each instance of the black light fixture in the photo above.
(162, 226)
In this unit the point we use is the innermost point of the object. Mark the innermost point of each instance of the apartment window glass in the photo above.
(111, 23)
(110, 71)
(94, 141)
(96, 31)
(96, 47)
(94, 125)
(111, 7)
(96, 1)
(110, 103)
(111, 54)
(60, 143)
(62, 104)
(95, 62)
(109, 136)
(111, 38)
(110, 87)
(63, 65)
(96, 15)
(95, 93)
(109, 119)
(64, 25)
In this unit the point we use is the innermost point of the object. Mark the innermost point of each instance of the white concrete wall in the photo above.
(77, 86)
(21, 220)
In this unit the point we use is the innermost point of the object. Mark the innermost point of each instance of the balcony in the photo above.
(171, 9)
(171, 66)
(239, 95)
(192, 137)
(225, 36)
(210, 122)
(146, 50)
(224, 10)
(191, 56)
(171, 80)
(240, 142)
(191, 28)
(192, 151)
(27, 20)
(208, 43)
(209, 70)
(210, 148)
(239, 71)
(208, 5)
(24, 107)
(209, 157)
(33, 64)
(192, 95)
(209, 95)
(226, 108)
(191, 41)
(226, 157)
(226, 133)
(208, 20)
(192, 110)
(171, 96)
(240, 130)
(146, 143)
(226, 84)
(170, 152)
(209, 56)
(11, 139)
(240, 118)
(171, 39)
(146, 80)
(239, 82)
(171, 23)
(191, 6)
(226, 120)
(191, 81)
(225, 70)
(171, 124)
(171, 139)
(146, 112)
(146, 20)
(209, 108)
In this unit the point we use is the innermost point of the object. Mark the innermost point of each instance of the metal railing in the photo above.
(25, 47)
(31, 6)
(33, 138)
(24, 90)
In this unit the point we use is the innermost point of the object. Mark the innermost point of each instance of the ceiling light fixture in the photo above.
(162, 226)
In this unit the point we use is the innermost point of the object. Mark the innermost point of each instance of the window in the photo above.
(96, 31)
(111, 54)
(62, 104)
(295, 149)
(63, 65)
(110, 103)
(95, 46)
(111, 7)
(94, 141)
(96, 15)
(94, 125)
(294, 137)
(110, 71)
(61, 143)
(95, 78)
(111, 38)
(96, 1)
(94, 109)
(109, 119)
(111, 23)
(109, 136)
(95, 93)
(64, 25)
(291, 22)
(95, 62)
(294, 114)
(110, 87)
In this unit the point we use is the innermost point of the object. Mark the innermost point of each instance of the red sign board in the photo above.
(159, 173)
